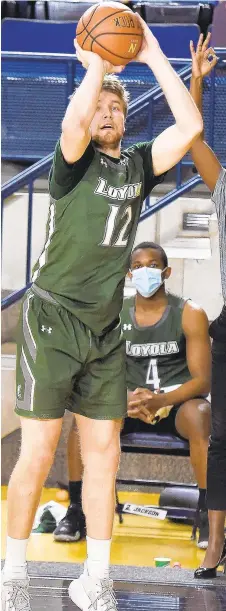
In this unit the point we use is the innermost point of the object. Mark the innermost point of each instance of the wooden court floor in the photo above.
(135, 543)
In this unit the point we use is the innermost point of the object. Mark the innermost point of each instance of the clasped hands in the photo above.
(143, 404)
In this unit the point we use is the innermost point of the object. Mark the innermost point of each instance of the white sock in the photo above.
(15, 566)
(98, 557)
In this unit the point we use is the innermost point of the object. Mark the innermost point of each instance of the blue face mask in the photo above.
(147, 280)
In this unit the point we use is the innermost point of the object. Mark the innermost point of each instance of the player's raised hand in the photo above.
(149, 43)
(203, 57)
(88, 57)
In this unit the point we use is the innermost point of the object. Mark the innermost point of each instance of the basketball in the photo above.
(112, 31)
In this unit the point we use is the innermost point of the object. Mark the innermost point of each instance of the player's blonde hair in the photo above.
(112, 83)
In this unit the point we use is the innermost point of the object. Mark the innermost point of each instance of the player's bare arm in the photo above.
(76, 135)
(195, 326)
(203, 61)
(198, 353)
(174, 142)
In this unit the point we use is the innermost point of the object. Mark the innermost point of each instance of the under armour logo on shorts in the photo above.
(19, 391)
(46, 329)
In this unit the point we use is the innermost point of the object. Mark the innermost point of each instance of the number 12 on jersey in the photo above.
(114, 217)
(152, 374)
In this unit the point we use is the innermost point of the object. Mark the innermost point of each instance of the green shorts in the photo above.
(62, 365)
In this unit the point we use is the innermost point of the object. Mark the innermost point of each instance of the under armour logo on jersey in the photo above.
(123, 161)
(46, 329)
(127, 327)
(103, 162)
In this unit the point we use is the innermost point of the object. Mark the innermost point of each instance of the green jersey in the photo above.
(156, 355)
(94, 211)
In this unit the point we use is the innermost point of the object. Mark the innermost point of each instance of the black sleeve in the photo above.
(65, 176)
(150, 180)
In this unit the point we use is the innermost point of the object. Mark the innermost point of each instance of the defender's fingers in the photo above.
(199, 44)
(206, 41)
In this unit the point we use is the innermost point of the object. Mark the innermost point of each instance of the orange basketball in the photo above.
(112, 31)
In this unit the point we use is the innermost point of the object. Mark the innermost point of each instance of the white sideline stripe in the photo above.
(26, 316)
(33, 382)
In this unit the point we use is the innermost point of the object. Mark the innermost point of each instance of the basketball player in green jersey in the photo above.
(167, 373)
(70, 353)
(168, 364)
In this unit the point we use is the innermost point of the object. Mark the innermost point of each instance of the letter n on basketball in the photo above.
(132, 47)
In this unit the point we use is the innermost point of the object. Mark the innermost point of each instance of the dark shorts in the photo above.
(62, 365)
(218, 388)
(216, 471)
(164, 426)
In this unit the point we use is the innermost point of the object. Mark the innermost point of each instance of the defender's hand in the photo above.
(149, 44)
(203, 58)
(88, 57)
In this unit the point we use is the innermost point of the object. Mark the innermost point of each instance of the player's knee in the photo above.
(104, 459)
(110, 456)
(193, 420)
(113, 458)
(39, 459)
(107, 442)
(204, 417)
(200, 420)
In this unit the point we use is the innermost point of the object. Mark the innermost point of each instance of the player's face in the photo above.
(108, 124)
(150, 284)
(147, 257)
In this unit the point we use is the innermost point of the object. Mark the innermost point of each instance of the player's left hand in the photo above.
(144, 399)
(203, 58)
(149, 43)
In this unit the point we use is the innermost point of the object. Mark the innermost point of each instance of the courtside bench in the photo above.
(179, 500)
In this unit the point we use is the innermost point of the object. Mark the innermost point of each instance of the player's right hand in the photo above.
(141, 414)
(139, 404)
(149, 43)
(88, 57)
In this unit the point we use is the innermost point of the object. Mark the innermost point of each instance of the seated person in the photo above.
(168, 360)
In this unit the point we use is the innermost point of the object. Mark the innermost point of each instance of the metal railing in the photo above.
(148, 211)
(28, 176)
(67, 69)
